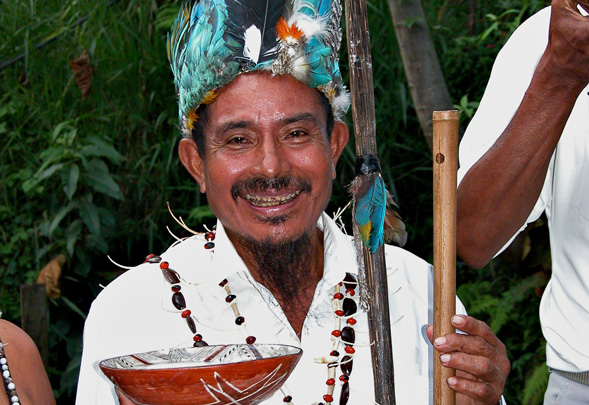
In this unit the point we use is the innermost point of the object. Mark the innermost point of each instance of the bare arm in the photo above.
(498, 193)
(26, 366)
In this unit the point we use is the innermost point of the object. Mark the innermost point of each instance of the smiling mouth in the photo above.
(270, 201)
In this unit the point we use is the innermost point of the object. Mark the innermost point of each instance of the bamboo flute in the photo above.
(445, 166)
(363, 112)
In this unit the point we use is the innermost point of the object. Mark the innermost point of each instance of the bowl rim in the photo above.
(297, 352)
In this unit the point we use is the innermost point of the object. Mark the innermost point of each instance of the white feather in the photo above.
(310, 26)
(253, 43)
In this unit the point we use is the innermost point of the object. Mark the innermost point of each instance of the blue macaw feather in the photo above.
(370, 208)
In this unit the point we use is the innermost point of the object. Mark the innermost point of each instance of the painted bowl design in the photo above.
(210, 375)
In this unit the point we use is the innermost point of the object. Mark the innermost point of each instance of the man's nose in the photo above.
(271, 159)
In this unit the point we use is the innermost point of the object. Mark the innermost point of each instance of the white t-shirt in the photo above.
(564, 309)
(134, 314)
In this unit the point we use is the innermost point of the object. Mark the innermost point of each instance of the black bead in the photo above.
(202, 343)
(191, 324)
(345, 395)
(239, 320)
(178, 300)
(346, 365)
(350, 281)
(349, 307)
(171, 276)
(230, 297)
(348, 336)
(209, 245)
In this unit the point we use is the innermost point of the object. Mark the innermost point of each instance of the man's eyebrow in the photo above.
(301, 117)
(228, 126)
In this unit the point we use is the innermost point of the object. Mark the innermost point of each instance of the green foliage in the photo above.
(88, 176)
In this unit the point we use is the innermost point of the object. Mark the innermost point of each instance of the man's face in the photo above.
(268, 164)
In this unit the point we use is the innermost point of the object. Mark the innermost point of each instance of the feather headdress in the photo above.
(212, 41)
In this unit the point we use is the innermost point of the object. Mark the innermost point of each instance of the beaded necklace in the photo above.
(8, 383)
(344, 309)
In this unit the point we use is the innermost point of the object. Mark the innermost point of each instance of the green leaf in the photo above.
(39, 177)
(98, 177)
(59, 216)
(197, 214)
(73, 233)
(89, 214)
(97, 147)
(70, 180)
(73, 307)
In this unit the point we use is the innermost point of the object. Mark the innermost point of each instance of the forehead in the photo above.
(261, 98)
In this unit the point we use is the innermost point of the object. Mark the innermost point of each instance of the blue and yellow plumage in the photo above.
(212, 41)
(374, 216)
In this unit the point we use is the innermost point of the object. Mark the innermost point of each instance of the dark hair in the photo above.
(197, 132)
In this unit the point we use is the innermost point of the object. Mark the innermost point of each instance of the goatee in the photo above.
(281, 266)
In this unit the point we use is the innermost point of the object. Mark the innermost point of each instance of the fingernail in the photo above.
(458, 320)
(444, 358)
(452, 381)
(440, 341)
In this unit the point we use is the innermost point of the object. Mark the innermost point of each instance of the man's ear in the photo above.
(339, 140)
(190, 158)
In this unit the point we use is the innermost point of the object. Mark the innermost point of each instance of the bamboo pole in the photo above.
(363, 113)
(445, 166)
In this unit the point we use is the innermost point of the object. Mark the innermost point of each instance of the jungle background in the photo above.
(88, 122)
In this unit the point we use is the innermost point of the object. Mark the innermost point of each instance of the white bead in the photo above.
(14, 399)
(11, 386)
(5, 367)
(3, 360)
(6, 374)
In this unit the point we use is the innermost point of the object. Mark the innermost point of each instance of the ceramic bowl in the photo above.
(210, 375)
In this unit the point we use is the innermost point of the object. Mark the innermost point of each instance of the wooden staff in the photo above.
(363, 113)
(445, 146)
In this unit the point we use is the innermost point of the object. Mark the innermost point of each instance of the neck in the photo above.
(290, 270)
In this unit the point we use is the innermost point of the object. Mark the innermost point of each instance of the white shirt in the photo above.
(564, 309)
(134, 314)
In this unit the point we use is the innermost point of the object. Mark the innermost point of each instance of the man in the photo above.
(263, 144)
(525, 152)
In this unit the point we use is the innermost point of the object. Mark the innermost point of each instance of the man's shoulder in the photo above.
(183, 257)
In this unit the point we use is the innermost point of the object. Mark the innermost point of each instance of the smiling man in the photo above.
(263, 134)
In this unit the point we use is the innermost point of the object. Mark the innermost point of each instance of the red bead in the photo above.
(210, 236)
(350, 350)
(149, 256)
(351, 321)
(336, 333)
(164, 265)
(350, 292)
(331, 381)
(287, 398)
(328, 398)
(176, 288)
(339, 312)
(250, 340)
(338, 296)
(223, 283)
(344, 378)
(186, 313)
(229, 298)
(197, 337)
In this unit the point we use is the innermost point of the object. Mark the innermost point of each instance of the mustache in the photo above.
(257, 184)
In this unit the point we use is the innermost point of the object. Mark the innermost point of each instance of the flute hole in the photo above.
(440, 158)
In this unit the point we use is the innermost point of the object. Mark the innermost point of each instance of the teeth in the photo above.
(270, 201)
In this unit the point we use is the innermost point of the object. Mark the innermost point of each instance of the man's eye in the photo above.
(237, 140)
(297, 134)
